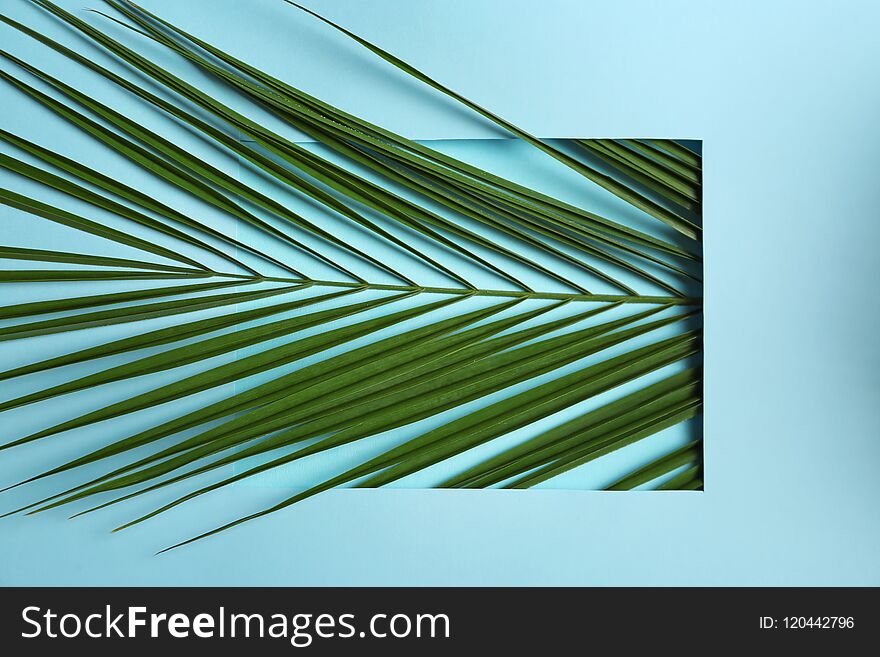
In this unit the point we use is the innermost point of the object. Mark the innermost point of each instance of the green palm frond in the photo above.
(470, 307)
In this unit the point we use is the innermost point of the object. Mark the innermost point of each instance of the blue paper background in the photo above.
(782, 98)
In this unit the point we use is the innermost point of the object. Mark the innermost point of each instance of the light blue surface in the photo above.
(782, 98)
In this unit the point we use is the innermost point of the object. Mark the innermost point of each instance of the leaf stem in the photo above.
(558, 296)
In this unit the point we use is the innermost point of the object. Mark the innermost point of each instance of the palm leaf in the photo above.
(319, 361)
